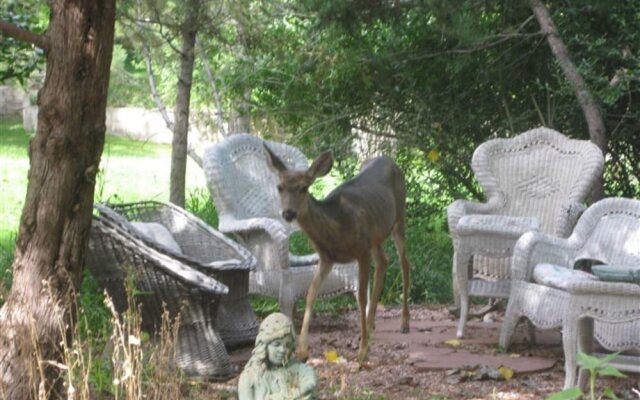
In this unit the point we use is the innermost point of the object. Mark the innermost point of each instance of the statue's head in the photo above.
(275, 341)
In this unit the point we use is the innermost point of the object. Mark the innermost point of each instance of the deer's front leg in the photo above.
(323, 269)
(363, 286)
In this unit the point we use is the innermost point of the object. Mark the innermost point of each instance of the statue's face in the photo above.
(278, 350)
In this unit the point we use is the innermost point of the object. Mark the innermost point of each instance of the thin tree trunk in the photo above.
(240, 118)
(181, 129)
(214, 91)
(146, 52)
(55, 222)
(590, 109)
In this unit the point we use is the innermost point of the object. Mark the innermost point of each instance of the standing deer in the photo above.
(351, 223)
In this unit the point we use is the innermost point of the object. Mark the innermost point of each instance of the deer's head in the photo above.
(294, 184)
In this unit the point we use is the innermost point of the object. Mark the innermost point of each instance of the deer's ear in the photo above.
(321, 165)
(274, 163)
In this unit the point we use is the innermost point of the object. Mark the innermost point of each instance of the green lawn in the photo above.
(129, 171)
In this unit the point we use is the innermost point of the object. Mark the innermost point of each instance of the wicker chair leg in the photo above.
(585, 345)
(456, 291)
(509, 324)
(287, 304)
(531, 330)
(570, 346)
(463, 256)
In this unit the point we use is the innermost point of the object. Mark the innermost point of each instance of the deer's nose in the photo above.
(289, 215)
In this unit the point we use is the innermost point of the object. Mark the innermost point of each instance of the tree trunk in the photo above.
(181, 114)
(590, 109)
(55, 222)
(240, 118)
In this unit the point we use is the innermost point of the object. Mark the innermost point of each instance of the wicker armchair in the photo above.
(201, 247)
(248, 204)
(162, 281)
(608, 232)
(537, 180)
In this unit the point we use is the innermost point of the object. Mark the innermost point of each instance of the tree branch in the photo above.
(590, 109)
(24, 35)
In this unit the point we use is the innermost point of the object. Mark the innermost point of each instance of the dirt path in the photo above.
(423, 365)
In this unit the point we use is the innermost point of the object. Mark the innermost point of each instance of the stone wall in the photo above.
(11, 100)
(131, 122)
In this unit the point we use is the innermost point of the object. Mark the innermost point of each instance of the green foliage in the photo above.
(95, 326)
(597, 367)
(128, 83)
(18, 60)
(430, 251)
(199, 203)
(7, 249)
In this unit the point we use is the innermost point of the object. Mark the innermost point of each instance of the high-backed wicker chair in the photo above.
(608, 232)
(248, 204)
(537, 180)
(201, 247)
(162, 281)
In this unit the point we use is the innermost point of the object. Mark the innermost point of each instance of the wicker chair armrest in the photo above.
(271, 226)
(605, 288)
(460, 208)
(275, 229)
(299, 261)
(534, 248)
(167, 263)
(496, 225)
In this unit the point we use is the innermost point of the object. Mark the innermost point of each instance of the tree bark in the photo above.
(183, 99)
(590, 109)
(55, 222)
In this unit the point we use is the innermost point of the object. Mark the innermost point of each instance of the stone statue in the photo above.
(273, 373)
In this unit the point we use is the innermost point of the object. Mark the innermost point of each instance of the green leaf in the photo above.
(609, 370)
(567, 394)
(609, 394)
(587, 361)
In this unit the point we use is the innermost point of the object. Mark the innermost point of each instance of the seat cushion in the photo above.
(157, 233)
(558, 277)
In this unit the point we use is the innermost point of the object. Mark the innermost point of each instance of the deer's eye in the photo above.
(304, 189)
(280, 188)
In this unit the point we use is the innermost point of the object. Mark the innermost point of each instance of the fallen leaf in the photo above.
(506, 373)
(453, 342)
(331, 356)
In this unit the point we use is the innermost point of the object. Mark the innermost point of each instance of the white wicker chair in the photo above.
(537, 180)
(608, 232)
(248, 204)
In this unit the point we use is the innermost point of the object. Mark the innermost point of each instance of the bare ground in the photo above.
(392, 371)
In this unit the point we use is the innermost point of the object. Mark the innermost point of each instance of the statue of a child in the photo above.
(273, 373)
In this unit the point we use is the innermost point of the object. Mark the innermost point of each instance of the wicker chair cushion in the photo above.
(559, 277)
(157, 233)
(618, 273)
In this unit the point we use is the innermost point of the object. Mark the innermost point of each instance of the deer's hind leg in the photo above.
(363, 286)
(399, 240)
(382, 263)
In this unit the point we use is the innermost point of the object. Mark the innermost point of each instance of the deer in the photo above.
(350, 223)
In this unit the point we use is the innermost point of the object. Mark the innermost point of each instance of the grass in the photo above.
(129, 171)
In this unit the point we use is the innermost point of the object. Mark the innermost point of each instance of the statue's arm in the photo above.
(245, 388)
(307, 380)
